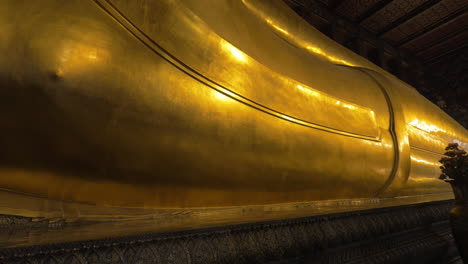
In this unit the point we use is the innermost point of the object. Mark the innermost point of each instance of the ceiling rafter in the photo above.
(413, 13)
(436, 58)
(441, 41)
(431, 28)
(371, 11)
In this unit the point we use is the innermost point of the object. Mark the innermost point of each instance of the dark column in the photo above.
(381, 60)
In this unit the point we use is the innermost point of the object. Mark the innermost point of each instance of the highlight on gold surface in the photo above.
(331, 58)
(278, 28)
(76, 57)
(92, 55)
(308, 91)
(293, 38)
(422, 161)
(424, 180)
(425, 126)
(289, 118)
(324, 96)
(233, 51)
(435, 141)
(349, 106)
(220, 96)
(319, 98)
(224, 95)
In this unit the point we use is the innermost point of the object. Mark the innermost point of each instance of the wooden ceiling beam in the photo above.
(413, 13)
(371, 11)
(441, 41)
(447, 53)
(431, 28)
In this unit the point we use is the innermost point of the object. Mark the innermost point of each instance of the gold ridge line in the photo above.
(110, 9)
(392, 130)
(426, 150)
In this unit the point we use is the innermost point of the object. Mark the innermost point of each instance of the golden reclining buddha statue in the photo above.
(198, 104)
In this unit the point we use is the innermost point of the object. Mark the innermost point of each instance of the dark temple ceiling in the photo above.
(426, 28)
